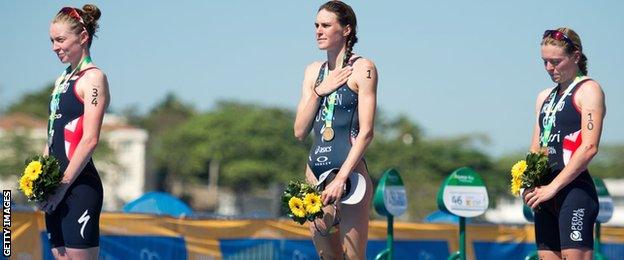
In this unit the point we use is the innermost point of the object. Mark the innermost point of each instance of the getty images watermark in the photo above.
(6, 223)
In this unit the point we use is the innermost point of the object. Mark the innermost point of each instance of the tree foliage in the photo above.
(15, 147)
(254, 145)
(608, 162)
(423, 163)
(34, 103)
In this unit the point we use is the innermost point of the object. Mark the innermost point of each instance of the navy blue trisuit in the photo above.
(75, 221)
(566, 221)
(327, 155)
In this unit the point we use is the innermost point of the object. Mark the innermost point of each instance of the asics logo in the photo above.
(83, 220)
(322, 149)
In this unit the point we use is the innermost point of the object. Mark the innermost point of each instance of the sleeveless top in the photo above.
(327, 155)
(565, 136)
(68, 125)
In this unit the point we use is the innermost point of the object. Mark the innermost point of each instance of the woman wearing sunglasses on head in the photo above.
(338, 104)
(569, 124)
(79, 100)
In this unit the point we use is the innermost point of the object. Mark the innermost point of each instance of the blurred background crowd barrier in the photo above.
(150, 237)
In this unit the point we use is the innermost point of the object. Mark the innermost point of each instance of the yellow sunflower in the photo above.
(312, 203)
(296, 207)
(26, 185)
(33, 170)
(516, 176)
(516, 184)
(518, 169)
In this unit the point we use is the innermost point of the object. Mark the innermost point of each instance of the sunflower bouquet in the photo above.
(530, 172)
(302, 201)
(41, 177)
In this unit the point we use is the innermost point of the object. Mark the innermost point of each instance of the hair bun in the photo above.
(91, 12)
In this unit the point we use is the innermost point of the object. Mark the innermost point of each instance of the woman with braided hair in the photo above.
(338, 104)
(77, 107)
(569, 124)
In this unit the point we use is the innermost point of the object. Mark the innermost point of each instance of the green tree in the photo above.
(499, 179)
(423, 163)
(34, 103)
(608, 162)
(15, 147)
(164, 117)
(253, 146)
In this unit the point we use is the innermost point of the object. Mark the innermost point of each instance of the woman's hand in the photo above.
(333, 191)
(334, 80)
(535, 197)
(53, 200)
(524, 193)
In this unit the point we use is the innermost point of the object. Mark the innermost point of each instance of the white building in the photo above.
(123, 181)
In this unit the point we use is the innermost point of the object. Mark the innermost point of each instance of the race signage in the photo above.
(463, 194)
(605, 202)
(390, 197)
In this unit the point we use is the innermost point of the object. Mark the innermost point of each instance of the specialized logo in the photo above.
(577, 224)
(83, 220)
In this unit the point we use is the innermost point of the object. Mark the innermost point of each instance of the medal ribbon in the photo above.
(56, 95)
(331, 101)
(551, 110)
(329, 108)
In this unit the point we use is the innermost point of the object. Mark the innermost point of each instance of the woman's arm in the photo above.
(365, 77)
(306, 110)
(308, 105)
(93, 88)
(536, 145)
(590, 100)
(535, 139)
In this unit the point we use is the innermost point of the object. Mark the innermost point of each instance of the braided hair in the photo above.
(346, 16)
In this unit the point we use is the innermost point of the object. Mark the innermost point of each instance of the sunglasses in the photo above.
(559, 36)
(72, 13)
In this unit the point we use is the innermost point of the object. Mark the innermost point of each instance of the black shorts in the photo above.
(567, 220)
(75, 221)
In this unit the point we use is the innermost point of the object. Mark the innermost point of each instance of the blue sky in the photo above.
(454, 68)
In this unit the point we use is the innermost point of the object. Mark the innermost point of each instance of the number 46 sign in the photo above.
(463, 194)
